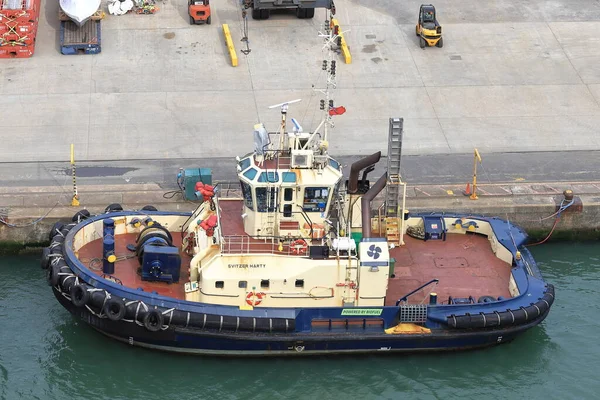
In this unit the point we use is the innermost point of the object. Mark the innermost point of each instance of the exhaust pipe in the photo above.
(357, 166)
(365, 203)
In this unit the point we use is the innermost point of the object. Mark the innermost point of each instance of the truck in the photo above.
(261, 9)
(80, 40)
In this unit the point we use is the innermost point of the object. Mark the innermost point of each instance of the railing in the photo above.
(244, 244)
(228, 190)
(405, 298)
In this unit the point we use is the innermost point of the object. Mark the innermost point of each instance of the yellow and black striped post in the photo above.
(75, 199)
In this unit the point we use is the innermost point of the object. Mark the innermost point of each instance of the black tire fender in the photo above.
(45, 261)
(149, 208)
(79, 295)
(52, 275)
(113, 207)
(153, 320)
(55, 230)
(80, 215)
(486, 299)
(114, 308)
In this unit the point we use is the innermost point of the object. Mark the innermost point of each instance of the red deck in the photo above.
(464, 264)
(127, 270)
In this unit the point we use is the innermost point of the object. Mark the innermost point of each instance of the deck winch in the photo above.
(158, 257)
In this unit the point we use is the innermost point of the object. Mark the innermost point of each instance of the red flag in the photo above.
(337, 110)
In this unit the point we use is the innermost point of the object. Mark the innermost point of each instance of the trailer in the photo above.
(80, 40)
(261, 9)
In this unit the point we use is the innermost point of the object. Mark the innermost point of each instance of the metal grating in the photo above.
(413, 313)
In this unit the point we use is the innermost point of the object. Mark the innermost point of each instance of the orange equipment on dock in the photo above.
(18, 27)
(199, 11)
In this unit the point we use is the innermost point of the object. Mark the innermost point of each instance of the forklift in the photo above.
(428, 28)
(199, 11)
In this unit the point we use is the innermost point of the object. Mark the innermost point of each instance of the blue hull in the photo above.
(212, 342)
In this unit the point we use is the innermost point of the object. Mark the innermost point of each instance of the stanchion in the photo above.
(75, 199)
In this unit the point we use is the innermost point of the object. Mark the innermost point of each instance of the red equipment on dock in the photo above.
(18, 27)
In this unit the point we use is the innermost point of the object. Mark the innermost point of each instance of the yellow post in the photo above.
(344, 46)
(229, 43)
(475, 159)
(75, 199)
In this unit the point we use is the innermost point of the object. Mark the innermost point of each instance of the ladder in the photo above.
(392, 196)
(393, 188)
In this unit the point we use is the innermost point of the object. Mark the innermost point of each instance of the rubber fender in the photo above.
(45, 261)
(213, 322)
(492, 319)
(533, 311)
(486, 299)
(55, 229)
(149, 208)
(66, 279)
(113, 207)
(80, 215)
(114, 309)
(507, 318)
(521, 316)
(52, 275)
(60, 239)
(549, 294)
(153, 320)
(543, 305)
(79, 295)
(97, 299)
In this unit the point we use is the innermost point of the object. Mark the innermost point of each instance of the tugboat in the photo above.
(294, 259)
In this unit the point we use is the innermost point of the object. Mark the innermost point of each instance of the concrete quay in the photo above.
(528, 205)
(512, 76)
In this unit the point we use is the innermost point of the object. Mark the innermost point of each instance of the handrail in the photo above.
(196, 212)
(307, 219)
(405, 298)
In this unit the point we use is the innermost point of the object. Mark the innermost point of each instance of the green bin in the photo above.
(392, 266)
(357, 236)
(191, 177)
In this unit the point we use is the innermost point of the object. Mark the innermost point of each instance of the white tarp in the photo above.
(79, 10)
(118, 7)
(261, 139)
(15, 4)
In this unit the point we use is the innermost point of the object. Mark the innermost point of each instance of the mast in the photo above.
(330, 37)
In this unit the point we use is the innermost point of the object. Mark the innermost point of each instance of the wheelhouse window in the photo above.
(315, 199)
(245, 163)
(266, 199)
(247, 192)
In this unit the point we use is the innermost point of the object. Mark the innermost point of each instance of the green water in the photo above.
(46, 354)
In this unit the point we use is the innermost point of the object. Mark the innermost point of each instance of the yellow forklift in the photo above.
(428, 28)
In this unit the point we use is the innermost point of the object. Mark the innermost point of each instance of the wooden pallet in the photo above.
(98, 15)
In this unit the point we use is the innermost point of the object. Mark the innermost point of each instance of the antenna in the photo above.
(297, 126)
(285, 104)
